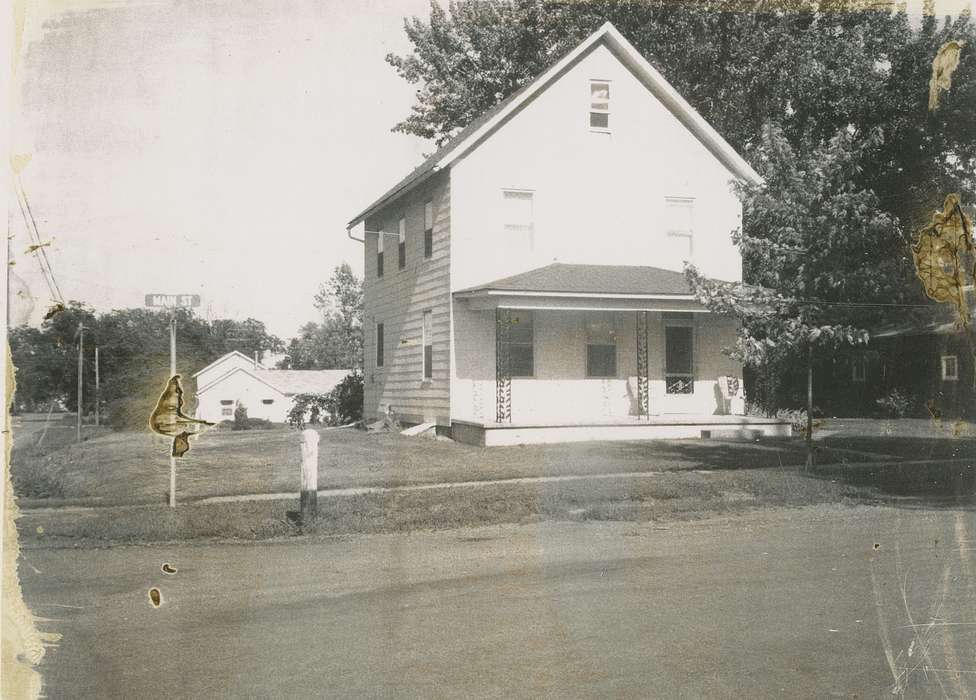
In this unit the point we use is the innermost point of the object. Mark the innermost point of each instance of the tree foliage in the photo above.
(341, 406)
(337, 341)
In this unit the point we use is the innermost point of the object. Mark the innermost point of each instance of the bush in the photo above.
(240, 418)
(342, 405)
(896, 404)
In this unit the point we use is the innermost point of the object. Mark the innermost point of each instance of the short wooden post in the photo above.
(310, 474)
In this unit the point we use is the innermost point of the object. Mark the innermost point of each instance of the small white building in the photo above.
(236, 379)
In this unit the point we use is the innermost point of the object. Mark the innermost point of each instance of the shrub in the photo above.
(240, 418)
(896, 404)
(342, 405)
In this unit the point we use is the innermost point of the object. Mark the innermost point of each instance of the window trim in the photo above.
(380, 341)
(426, 341)
(689, 323)
(946, 376)
(402, 243)
(529, 228)
(428, 229)
(591, 110)
(673, 233)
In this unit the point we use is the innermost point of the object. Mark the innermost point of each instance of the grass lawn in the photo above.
(133, 468)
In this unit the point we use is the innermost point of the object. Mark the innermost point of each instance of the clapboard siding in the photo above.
(398, 300)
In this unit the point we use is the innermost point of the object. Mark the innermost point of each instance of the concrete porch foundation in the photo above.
(655, 428)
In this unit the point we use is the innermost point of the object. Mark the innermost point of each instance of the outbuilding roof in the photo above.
(483, 126)
(563, 278)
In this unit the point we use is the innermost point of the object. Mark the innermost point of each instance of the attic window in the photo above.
(267, 402)
(600, 105)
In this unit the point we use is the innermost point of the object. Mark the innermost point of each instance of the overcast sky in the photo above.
(215, 148)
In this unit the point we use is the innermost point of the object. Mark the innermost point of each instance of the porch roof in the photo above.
(615, 281)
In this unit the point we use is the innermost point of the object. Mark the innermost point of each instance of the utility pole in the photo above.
(81, 372)
(172, 373)
(97, 399)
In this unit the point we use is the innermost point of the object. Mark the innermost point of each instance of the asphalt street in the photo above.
(819, 602)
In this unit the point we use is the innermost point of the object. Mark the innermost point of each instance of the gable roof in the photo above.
(222, 358)
(562, 278)
(483, 126)
(288, 381)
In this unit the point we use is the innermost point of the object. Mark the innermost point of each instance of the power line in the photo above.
(35, 235)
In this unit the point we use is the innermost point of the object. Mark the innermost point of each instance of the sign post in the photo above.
(172, 302)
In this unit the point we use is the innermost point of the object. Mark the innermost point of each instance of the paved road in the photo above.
(822, 602)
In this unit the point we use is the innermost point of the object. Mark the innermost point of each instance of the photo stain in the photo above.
(168, 417)
(155, 597)
(168, 569)
(877, 546)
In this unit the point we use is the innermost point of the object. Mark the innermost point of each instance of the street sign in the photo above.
(171, 301)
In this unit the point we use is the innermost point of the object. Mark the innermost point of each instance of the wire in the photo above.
(43, 262)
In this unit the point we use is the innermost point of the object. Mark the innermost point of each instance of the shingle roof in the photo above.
(302, 381)
(591, 279)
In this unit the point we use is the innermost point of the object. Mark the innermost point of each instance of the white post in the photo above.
(310, 474)
(172, 373)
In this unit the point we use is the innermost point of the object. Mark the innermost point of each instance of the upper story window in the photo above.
(428, 343)
(600, 105)
(601, 345)
(679, 227)
(428, 229)
(402, 243)
(518, 212)
(379, 345)
(379, 253)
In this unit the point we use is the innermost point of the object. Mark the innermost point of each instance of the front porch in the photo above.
(666, 427)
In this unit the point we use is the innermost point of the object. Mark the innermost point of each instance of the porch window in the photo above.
(428, 229)
(601, 346)
(402, 244)
(600, 105)
(379, 254)
(859, 370)
(520, 342)
(679, 227)
(379, 344)
(950, 368)
(679, 357)
(428, 345)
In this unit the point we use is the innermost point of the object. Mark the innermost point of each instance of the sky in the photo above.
(208, 147)
(211, 148)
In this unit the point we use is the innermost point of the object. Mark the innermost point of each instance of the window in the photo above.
(520, 343)
(267, 402)
(428, 332)
(517, 209)
(679, 354)
(227, 407)
(402, 244)
(379, 344)
(950, 368)
(379, 254)
(600, 105)
(859, 369)
(679, 227)
(428, 229)
(601, 346)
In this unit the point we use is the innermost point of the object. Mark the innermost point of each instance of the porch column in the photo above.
(643, 410)
(503, 366)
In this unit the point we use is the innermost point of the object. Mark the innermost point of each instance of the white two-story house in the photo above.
(525, 282)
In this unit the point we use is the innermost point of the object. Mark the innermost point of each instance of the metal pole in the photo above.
(809, 464)
(96, 388)
(172, 373)
(81, 369)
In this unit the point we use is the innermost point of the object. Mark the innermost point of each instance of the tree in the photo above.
(812, 67)
(336, 342)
